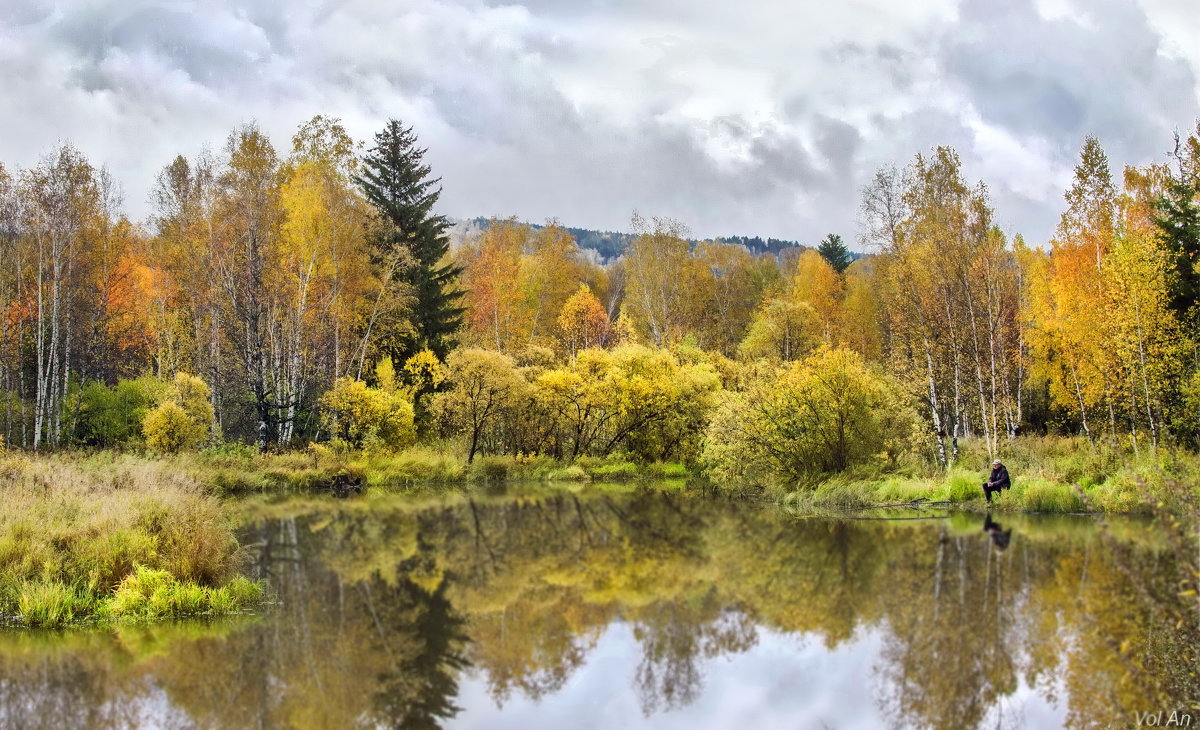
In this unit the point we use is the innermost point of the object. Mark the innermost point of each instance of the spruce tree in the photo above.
(1179, 221)
(396, 181)
(1179, 224)
(835, 252)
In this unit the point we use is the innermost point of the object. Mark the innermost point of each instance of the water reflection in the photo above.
(996, 532)
(620, 610)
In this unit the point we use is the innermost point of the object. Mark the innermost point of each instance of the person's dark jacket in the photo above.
(999, 477)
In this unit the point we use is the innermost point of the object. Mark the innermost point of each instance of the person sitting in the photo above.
(996, 481)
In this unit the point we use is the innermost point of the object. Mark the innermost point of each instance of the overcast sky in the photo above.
(735, 116)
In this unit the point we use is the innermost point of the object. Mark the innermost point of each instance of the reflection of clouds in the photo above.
(782, 681)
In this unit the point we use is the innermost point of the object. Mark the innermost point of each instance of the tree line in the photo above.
(311, 288)
(267, 275)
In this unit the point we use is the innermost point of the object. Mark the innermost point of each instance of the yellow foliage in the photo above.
(167, 428)
(807, 419)
(424, 372)
(783, 330)
(632, 397)
(362, 416)
(819, 285)
(482, 387)
(583, 321)
(183, 420)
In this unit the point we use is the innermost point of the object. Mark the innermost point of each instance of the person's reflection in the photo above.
(999, 536)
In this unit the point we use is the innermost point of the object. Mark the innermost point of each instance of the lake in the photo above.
(647, 608)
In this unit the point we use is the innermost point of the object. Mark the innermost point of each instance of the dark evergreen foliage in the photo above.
(835, 252)
(758, 245)
(396, 181)
(1179, 220)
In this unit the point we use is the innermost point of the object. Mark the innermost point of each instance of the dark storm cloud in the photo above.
(749, 117)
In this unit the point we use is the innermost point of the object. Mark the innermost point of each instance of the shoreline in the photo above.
(1042, 483)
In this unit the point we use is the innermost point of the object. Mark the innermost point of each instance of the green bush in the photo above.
(421, 465)
(1117, 495)
(964, 486)
(1043, 496)
(842, 495)
(665, 470)
(897, 490)
(572, 473)
(615, 471)
(113, 416)
(491, 468)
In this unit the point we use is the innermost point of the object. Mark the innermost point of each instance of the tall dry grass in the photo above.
(74, 527)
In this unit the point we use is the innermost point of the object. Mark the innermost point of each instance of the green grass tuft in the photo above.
(156, 594)
(49, 604)
(1044, 496)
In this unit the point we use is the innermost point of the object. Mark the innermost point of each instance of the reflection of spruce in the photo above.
(425, 636)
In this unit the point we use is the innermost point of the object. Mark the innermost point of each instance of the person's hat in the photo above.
(995, 461)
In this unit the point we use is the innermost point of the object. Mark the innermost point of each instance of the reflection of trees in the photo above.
(418, 684)
(674, 638)
(953, 620)
(94, 679)
(376, 637)
(56, 692)
(384, 649)
(1136, 640)
(534, 645)
(377, 603)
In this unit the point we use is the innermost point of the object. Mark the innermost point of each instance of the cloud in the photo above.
(754, 117)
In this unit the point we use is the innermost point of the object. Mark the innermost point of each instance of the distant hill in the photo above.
(609, 245)
(757, 245)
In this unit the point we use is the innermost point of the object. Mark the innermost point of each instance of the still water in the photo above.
(649, 609)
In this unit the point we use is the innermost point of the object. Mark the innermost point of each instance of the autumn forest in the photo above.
(312, 293)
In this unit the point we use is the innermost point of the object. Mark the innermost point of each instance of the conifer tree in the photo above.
(396, 181)
(1179, 223)
(835, 252)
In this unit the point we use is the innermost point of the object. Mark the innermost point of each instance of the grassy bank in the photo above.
(239, 470)
(1049, 474)
(112, 539)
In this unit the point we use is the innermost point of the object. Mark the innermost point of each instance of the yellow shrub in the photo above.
(183, 420)
(169, 428)
(359, 414)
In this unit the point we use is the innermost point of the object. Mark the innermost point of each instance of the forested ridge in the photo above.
(312, 293)
(609, 245)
